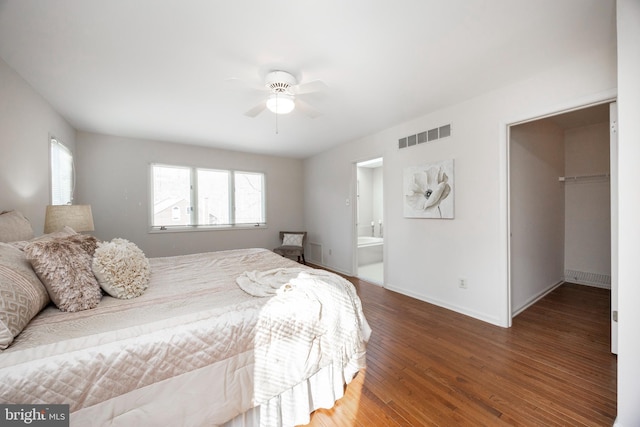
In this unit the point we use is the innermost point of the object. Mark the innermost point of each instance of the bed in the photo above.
(239, 337)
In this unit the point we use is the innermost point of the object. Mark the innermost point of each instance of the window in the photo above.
(62, 179)
(248, 189)
(213, 197)
(198, 197)
(171, 196)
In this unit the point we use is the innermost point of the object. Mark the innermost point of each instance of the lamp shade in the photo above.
(280, 103)
(78, 217)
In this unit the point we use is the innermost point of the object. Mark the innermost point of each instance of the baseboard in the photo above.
(462, 310)
(536, 298)
(331, 269)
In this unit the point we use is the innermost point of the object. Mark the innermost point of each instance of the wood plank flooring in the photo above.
(428, 366)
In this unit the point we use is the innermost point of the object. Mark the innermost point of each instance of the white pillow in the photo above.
(14, 226)
(121, 268)
(292, 239)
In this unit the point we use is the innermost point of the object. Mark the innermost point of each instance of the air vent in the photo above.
(587, 278)
(315, 253)
(426, 136)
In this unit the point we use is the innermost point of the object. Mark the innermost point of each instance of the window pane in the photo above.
(171, 195)
(213, 197)
(61, 174)
(249, 193)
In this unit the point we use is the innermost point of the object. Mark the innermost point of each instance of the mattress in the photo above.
(194, 349)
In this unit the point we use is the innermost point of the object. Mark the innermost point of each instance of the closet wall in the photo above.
(587, 256)
(560, 230)
(536, 210)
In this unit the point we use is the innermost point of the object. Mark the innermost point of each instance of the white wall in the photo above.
(331, 211)
(537, 210)
(425, 257)
(26, 120)
(587, 201)
(378, 198)
(628, 22)
(365, 201)
(114, 174)
(370, 200)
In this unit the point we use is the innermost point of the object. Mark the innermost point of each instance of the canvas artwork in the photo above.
(429, 190)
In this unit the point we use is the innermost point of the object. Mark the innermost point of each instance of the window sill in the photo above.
(199, 228)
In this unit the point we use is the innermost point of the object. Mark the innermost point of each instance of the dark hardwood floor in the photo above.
(430, 366)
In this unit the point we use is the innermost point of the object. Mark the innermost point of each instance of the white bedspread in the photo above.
(268, 283)
(194, 336)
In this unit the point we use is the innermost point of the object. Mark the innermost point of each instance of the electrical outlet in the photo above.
(329, 251)
(462, 283)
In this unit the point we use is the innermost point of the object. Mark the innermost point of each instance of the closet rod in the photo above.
(574, 178)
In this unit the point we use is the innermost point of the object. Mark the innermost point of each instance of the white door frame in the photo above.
(613, 159)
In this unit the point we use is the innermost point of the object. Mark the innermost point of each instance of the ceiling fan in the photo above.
(284, 95)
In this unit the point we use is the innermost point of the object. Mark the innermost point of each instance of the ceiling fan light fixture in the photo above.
(280, 103)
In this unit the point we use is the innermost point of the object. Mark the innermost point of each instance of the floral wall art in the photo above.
(429, 190)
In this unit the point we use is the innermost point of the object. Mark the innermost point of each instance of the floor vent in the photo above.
(315, 253)
(426, 136)
(590, 279)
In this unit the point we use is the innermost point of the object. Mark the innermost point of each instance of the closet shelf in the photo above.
(579, 177)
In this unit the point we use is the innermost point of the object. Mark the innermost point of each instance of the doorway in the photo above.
(369, 253)
(560, 204)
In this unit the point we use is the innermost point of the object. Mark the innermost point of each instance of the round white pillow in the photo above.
(121, 268)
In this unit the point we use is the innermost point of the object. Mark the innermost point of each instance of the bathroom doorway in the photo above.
(370, 221)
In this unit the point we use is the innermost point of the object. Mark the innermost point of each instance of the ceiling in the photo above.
(582, 117)
(186, 71)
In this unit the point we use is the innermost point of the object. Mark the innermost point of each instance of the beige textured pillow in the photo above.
(65, 232)
(64, 267)
(121, 268)
(14, 226)
(22, 295)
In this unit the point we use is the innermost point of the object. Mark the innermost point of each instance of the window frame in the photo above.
(194, 225)
(53, 142)
(232, 188)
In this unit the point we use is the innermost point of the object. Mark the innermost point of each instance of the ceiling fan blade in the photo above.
(312, 86)
(307, 109)
(256, 110)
